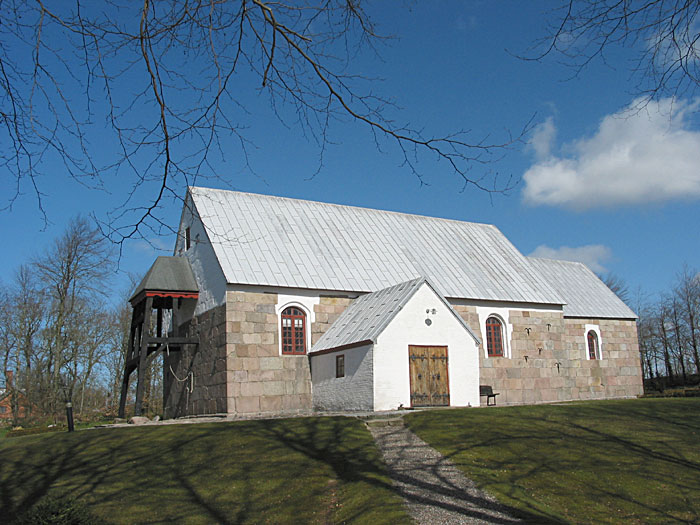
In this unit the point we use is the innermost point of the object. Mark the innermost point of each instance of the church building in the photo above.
(306, 306)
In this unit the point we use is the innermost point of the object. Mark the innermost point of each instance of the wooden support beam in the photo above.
(127, 370)
(172, 340)
(143, 345)
(143, 354)
(159, 346)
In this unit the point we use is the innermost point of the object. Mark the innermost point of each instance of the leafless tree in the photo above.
(663, 326)
(73, 273)
(145, 96)
(663, 34)
(687, 292)
(669, 331)
(618, 286)
(23, 315)
(677, 330)
(118, 346)
(56, 333)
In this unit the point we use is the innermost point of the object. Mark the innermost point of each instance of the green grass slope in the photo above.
(305, 470)
(633, 461)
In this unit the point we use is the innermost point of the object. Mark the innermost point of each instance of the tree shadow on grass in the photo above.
(590, 452)
(111, 469)
(165, 473)
(350, 464)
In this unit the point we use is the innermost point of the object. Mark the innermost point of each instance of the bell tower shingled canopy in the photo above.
(169, 279)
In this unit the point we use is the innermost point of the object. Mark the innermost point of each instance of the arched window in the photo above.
(293, 331)
(494, 337)
(593, 348)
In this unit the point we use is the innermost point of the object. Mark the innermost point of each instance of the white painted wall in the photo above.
(391, 370)
(352, 392)
(205, 265)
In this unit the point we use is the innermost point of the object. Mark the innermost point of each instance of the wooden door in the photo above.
(439, 389)
(428, 374)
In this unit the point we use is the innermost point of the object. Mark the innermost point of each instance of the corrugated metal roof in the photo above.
(585, 294)
(275, 241)
(168, 274)
(368, 315)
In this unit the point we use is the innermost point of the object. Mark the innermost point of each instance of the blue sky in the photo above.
(614, 188)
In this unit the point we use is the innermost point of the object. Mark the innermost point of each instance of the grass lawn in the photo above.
(305, 470)
(634, 461)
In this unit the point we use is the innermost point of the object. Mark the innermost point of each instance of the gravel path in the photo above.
(434, 490)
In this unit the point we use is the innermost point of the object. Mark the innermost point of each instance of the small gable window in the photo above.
(494, 337)
(593, 346)
(293, 331)
(340, 365)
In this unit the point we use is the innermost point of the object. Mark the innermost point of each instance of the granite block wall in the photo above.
(194, 378)
(259, 379)
(327, 312)
(237, 368)
(548, 359)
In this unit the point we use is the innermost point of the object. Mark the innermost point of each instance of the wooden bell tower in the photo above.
(168, 284)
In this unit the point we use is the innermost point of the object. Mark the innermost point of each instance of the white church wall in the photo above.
(353, 391)
(205, 265)
(391, 368)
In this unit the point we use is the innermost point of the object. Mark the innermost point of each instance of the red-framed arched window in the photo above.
(293, 331)
(593, 349)
(494, 337)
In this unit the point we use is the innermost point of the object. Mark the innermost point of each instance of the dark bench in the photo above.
(485, 390)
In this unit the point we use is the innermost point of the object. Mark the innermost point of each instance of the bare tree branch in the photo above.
(664, 34)
(142, 100)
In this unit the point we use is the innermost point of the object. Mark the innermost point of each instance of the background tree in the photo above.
(23, 316)
(618, 286)
(668, 331)
(687, 292)
(118, 346)
(73, 274)
(162, 82)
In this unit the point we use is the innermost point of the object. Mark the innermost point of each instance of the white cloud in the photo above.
(592, 255)
(543, 137)
(636, 156)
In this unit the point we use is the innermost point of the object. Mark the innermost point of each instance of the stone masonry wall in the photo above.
(619, 372)
(237, 367)
(194, 379)
(549, 363)
(327, 312)
(259, 379)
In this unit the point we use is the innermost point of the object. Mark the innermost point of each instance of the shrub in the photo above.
(686, 392)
